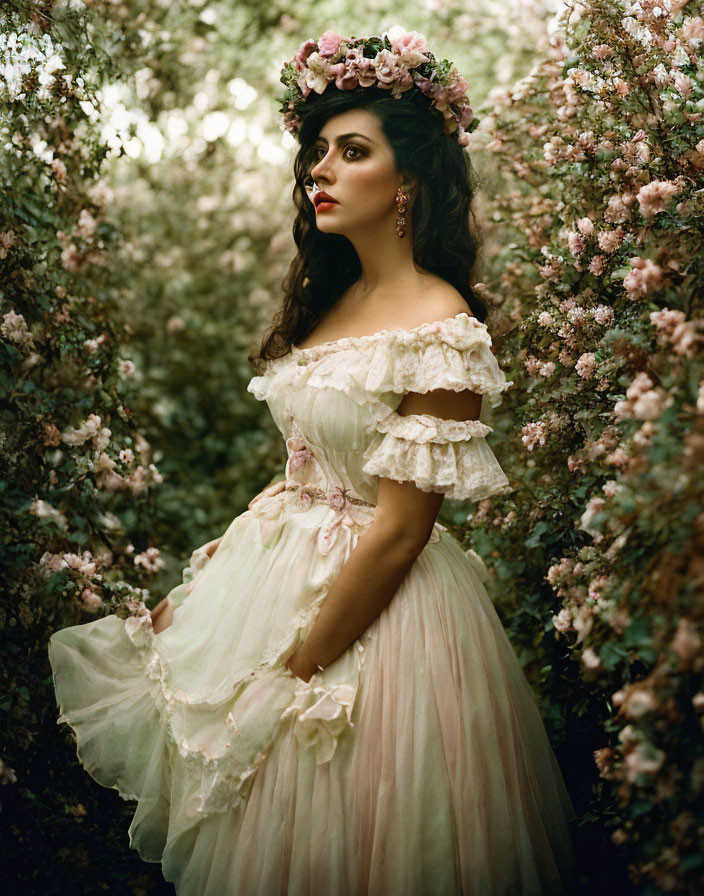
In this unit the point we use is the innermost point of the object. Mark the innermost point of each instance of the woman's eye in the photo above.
(347, 148)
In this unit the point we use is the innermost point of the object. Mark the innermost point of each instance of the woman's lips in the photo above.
(325, 205)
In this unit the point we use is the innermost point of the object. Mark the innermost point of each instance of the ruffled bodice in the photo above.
(336, 406)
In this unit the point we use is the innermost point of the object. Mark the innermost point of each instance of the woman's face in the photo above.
(354, 164)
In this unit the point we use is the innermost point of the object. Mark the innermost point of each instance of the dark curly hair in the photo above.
(445, 232)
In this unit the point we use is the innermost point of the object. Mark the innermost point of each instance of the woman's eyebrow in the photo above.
(342, 137)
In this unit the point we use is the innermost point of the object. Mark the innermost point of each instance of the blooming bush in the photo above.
(600, 227)
(77, 475)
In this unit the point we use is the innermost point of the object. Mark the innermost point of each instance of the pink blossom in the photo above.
(603, 315)
(643, 760)
(316, 74)
(644, 436)
(597, 265)
(618, 458)
(304, 51)
(576, 243)
(150, 560)
(623, 88)
(686, 338)
(91, 601)
(575, 464)
(617, 210)
(563, 620)
(585, 226)
(583, 619)
(410, 46)
(591, 658)
(562, 571)
(692, 30)
(14, 327)
(596, 505)
(533, 434)
(391, 73)
(329, 44)
(640, 384)
(610, 240)
(86, 224)
(649, 406)
(103, 463)
(345, 76)
(60, 171)
(646, 277)
(43, 510)
(85, 564)
(654, 197)
(71, 258)
(531, 365)
(126, 368)
(639, 701)
(586, 365)
(683, 84)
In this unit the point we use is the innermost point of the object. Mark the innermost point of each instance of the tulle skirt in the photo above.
(416, 763)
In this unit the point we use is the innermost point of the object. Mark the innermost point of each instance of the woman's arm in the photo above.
(381, 559)
(385, 553)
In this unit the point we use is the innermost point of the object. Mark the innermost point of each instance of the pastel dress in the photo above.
(415, 764)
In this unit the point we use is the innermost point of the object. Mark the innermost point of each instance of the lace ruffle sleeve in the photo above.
(437, 455)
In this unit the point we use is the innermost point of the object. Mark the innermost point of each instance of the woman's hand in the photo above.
(162, 616)
(211, 546)
(301, 663)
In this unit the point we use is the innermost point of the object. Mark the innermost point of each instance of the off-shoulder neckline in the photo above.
(371, 337)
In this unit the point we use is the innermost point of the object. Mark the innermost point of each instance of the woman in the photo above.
(332, 706)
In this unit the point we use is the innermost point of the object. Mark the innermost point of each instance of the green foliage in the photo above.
(603, 155)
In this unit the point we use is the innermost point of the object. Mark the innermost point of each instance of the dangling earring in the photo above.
(401, 201)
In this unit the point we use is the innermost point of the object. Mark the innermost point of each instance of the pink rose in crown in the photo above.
(305, 89)
(304, 51)
(458, 87)
(366, 72)
(317, 74)
(388, 67)
(329, 43)
(345, 77)
(411, 46)
(466, 116)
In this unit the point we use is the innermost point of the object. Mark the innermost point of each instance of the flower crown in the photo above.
(397, 60)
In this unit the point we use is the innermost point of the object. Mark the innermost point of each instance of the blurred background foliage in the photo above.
(145, 229)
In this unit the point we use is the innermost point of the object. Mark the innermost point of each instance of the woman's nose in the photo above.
(321, 170)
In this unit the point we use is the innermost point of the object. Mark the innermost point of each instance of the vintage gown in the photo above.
(417, 763)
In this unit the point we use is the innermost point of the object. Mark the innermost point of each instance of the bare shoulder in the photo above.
(439, 300)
